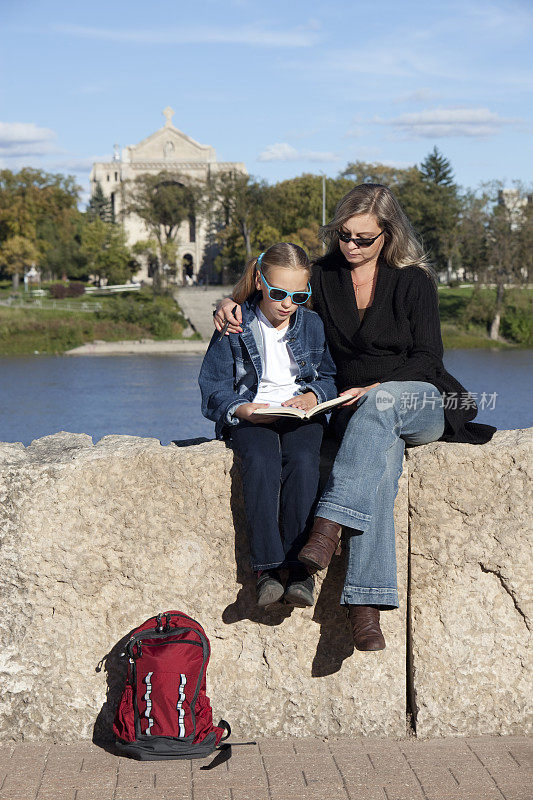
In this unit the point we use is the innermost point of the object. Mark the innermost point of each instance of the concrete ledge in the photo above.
(144, 347)
(96, 538)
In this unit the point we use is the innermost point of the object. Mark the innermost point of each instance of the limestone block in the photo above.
(470, 587)
(97, 538)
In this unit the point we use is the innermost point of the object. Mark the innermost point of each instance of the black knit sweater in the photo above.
(399, 338)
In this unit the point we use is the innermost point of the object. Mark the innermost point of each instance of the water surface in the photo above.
(158, 396)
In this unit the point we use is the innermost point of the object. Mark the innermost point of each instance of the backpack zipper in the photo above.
(181, 641)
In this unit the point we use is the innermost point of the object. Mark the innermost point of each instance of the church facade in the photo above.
(171, 151)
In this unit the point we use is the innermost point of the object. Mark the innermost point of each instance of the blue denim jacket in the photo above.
(232, 368)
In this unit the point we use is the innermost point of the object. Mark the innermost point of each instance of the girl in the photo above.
(279, 359)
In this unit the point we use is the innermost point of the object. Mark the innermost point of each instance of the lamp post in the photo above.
(323, 205)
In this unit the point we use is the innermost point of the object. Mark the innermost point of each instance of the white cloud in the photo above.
(25, 138)
(282, 151)
(447, 122)
(248, 35)
(422, 95)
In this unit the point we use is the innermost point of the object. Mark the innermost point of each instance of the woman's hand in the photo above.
(228, 311)
(356, 393)
(246, 412)
(305, 401)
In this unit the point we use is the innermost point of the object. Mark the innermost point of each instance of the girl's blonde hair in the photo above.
(284, 254)
(402, 247)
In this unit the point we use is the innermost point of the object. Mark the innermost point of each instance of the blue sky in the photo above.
(286, 87)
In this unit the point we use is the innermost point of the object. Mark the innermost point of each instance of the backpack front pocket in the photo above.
(164, 704)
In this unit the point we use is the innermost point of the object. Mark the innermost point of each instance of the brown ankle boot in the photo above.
(367, 634)
(322, 543)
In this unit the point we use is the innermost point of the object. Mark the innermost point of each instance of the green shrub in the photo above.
(479, 310)
(159, 316)
(517, 318)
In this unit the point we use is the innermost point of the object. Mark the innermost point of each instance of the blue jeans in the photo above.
(280, 474)
(363, 484)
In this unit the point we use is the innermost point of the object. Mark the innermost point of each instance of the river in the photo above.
(158, 396)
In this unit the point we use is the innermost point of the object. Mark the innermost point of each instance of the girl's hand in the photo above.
(305, 401)
(246, 412)
(356, 393)
(224, 313)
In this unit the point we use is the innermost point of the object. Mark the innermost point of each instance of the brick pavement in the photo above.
(481, 768)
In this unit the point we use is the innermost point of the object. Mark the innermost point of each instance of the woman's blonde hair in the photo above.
(284, 254)
(402, 247)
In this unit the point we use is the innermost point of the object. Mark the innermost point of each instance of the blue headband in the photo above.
(259, 259)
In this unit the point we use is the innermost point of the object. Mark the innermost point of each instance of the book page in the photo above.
(298, 412)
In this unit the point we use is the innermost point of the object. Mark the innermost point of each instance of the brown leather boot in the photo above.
(322, 543)
(367, 634)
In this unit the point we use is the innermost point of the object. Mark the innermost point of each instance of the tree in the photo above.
(436, 169)
(496, 235)
(164, 201)
(392, 177)
(41, 208)
(238, 214)
(438, 210)
(99, 205)
(472, 234)
(17, 253)
(504, 242)
(525, 238)
(104, 248)
(241, 204)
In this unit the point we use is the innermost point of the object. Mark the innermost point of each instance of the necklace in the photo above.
(365, 283)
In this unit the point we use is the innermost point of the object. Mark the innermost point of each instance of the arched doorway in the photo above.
(187, 269)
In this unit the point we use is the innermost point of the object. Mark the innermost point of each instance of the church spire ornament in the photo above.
(168, 112)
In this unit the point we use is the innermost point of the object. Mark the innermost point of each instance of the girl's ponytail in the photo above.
(245, 286)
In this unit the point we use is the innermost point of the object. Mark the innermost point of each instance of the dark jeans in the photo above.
(279, 465)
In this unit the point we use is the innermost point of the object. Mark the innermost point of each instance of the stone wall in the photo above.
(97, 538)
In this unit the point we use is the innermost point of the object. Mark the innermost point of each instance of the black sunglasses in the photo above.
(346, 238)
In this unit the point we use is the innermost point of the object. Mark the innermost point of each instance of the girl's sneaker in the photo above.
(269, 588)
(300, 588)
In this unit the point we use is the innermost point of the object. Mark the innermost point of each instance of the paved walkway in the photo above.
(198, 303)
(481, 768)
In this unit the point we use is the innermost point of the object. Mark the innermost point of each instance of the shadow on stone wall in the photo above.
(335, 642)
(115, 666)
(244, 606)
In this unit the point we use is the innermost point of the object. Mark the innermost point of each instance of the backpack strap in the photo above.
(227, 727)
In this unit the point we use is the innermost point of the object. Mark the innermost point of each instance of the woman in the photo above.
(377, 297)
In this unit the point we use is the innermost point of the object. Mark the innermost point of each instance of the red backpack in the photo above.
(164, 711)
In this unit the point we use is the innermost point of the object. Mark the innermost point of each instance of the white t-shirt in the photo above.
(279, 369)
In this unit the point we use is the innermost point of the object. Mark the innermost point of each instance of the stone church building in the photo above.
(167, 150)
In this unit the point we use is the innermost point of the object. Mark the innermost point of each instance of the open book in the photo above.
(287, 411)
